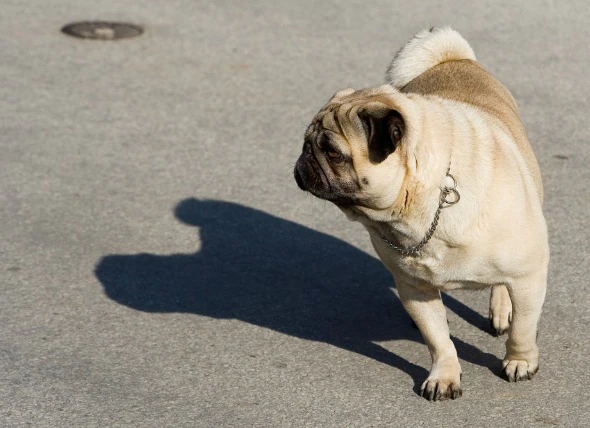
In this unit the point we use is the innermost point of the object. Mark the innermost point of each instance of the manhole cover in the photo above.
(102, 30)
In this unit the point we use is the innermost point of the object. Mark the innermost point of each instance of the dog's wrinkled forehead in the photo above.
(341, 114)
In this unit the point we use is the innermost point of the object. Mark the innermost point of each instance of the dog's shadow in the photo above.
(277, 274)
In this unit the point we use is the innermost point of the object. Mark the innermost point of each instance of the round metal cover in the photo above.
(102, 30)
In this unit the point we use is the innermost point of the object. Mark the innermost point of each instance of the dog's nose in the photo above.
(307, 147)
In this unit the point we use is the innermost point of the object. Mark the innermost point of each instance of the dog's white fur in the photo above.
(477, 245)
(425, 50)
(495, 237)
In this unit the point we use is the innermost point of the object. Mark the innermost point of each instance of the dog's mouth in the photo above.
(299, 179)
(311, 177)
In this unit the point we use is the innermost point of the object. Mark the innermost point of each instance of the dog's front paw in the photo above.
(500, 310)
(441, 389)
(444, 381)
(515, 370)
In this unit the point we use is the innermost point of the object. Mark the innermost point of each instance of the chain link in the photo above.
(443, 203)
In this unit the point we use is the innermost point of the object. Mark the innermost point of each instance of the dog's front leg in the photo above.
(424, 304)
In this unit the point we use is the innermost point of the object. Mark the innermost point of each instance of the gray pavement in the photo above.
(159, 266)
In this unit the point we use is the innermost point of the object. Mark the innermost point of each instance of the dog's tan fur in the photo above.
(455, 115)
(467, 82)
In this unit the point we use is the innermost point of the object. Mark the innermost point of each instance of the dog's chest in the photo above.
(446, 269)
(432, 270)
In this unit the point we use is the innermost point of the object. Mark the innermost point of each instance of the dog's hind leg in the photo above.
(522, 353)
(500, 313)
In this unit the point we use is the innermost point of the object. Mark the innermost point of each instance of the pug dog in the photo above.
(436, 165)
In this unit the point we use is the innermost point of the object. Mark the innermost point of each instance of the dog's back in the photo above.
(440, 62)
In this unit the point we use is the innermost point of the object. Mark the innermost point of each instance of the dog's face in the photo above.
(352, 152)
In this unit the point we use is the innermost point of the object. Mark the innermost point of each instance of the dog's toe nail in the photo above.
(456, 392)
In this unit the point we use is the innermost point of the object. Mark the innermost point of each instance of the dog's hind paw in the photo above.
(517, 370)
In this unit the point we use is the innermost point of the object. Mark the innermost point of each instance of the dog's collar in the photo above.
(444, 202)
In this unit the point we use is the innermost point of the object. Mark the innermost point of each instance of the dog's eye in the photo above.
(333, 155)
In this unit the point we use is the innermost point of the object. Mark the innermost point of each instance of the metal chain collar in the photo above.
(443, 203)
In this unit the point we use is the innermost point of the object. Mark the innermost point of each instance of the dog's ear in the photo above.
(384, 128)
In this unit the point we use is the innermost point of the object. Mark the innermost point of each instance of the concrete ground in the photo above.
(159, 266)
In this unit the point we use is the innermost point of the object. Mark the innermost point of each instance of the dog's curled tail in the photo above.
(426, 50)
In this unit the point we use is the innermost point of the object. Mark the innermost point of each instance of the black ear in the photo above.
(384, 129)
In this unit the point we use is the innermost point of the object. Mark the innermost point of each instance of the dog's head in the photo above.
(353, 151)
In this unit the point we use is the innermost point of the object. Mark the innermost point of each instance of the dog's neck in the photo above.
(410, 217)
(412, 220)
